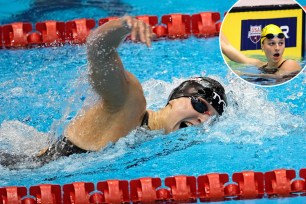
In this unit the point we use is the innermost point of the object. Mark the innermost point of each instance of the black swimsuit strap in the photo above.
(281, 64)
(264, 66)
(271, 70)
(145, 119)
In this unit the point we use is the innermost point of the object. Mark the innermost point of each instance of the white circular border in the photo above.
(266, 86)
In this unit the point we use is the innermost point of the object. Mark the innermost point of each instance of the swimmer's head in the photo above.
(270, 31)
(201, 87)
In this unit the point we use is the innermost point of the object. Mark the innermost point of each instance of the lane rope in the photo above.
(56, 33)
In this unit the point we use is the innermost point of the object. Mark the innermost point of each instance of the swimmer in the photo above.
(273, 44)
(122, 106)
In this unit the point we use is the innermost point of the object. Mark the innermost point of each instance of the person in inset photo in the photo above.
(273, 45)
(255, 49)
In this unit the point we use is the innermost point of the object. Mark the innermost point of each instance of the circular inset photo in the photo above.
(263, 42)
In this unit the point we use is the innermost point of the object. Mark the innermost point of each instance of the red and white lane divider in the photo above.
(187, 189)
(56, 33)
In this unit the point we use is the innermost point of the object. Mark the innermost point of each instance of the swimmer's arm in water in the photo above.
(106, 71)
(289, 69)
(266, 76)
(235, 55)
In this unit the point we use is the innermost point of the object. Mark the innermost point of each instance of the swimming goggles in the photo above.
(198, 105)
(271, 36)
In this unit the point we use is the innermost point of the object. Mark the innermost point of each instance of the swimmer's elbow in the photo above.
(255, 62)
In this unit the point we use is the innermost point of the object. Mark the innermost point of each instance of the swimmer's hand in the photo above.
(239, 73)
(140, 31)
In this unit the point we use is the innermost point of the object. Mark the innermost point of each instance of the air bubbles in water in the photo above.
(19, 138)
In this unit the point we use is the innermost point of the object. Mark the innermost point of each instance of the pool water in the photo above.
(254, 70)
(43, 88)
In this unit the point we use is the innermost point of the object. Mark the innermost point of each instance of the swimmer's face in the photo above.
(274, 49)
(183, 114)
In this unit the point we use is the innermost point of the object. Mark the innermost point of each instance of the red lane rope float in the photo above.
(56, 33)
(113, 191)
(12, 194)
(187, 189)
(78, 30)
(151, 20)
(46, 193)
(250, 184)
(15, 34)
(51, 32)
(1, 43)
(77, 192)
(177, 25)
(211, 187)
(206, 24)
(144, 189)
(105, 20)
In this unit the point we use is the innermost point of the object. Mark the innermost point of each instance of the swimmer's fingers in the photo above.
(145, 33)
(142, 31)
(148, 35)
(135, 30)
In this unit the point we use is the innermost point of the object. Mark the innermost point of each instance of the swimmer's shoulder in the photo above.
(290, 66)
(94, 128)
(82, 130)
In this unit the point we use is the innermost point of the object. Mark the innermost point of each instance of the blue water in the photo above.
(42, 89)
(254, 70)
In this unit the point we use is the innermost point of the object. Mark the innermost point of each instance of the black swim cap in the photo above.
(208, 89)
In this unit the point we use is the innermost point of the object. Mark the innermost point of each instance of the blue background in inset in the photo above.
(247, 44)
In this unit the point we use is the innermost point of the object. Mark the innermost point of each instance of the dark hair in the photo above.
(207, 88)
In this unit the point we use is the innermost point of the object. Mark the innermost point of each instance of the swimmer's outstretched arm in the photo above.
(235, 55)
(290, 69)
(106, 71)
(267, 76)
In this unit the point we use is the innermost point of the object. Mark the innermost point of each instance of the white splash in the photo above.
(19, 138)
